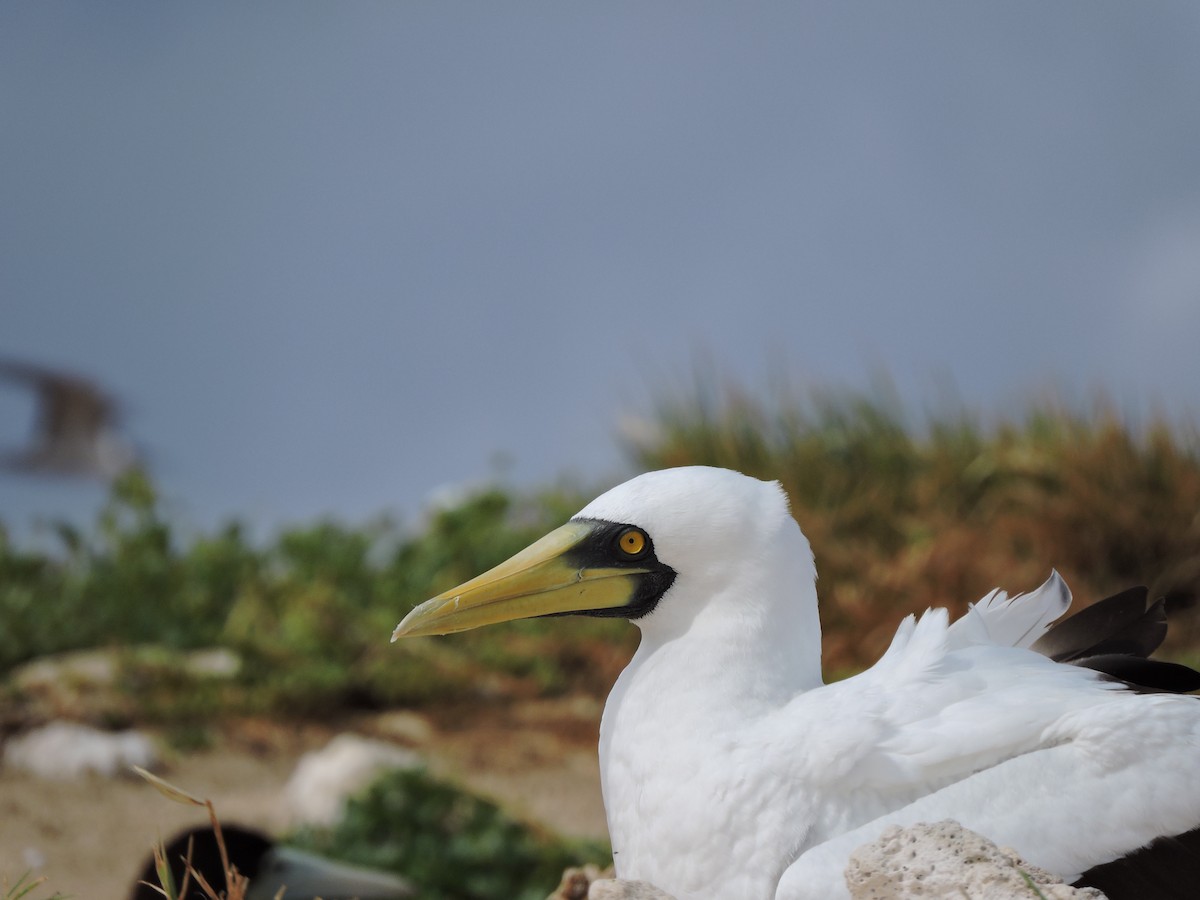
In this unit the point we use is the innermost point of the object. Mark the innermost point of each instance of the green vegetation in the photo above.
(455, 845)
(901, 514)
(309, 614)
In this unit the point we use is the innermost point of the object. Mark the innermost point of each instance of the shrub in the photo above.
(453, 844)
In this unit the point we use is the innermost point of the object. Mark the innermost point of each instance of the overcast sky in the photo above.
(335, 256)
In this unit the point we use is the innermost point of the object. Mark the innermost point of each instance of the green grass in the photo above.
(23, 888)
(1034, 889)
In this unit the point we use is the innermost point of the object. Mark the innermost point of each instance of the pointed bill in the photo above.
(555, 575)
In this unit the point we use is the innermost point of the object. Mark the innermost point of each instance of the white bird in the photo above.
(730, 770)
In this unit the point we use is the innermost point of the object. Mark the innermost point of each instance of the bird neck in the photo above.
(726, 647)
(756, 639)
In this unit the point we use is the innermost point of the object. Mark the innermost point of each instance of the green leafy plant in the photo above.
(455, 845)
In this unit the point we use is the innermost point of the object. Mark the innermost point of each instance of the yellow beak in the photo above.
(543, 579)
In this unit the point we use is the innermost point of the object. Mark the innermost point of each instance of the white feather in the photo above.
(1015, 622)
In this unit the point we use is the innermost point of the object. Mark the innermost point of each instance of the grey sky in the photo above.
(336, 255)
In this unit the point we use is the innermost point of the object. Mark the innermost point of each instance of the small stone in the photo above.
(96, 668)
(575, 882)
(593, 883)
(325, 779)
(67, 750)
(213, 662)
(404, 726)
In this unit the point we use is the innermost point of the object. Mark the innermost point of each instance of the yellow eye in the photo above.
(632, 542)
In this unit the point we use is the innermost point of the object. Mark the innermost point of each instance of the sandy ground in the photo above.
(91, 836)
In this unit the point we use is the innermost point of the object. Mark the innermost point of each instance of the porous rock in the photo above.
(92, 685)
(619, 889)
(945, 861)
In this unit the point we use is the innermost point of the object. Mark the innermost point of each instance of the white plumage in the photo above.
(731, 771)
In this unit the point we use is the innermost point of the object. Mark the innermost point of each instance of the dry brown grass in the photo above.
(905, 516)
(235, 882)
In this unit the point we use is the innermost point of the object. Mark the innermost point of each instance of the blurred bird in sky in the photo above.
(76, 431)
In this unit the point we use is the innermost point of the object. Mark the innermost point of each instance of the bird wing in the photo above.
(1101, 783)
(948, 700)
(70, 407)
(1000, 738)
(934, 709)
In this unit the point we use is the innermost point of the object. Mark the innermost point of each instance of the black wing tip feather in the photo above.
(1115, 637)
(1145, 675)
(1168, 868)
(1075, 636)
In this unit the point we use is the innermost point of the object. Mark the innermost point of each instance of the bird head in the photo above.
(637, 551)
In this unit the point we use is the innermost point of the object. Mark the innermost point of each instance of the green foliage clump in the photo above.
(454, 845)
(314, 629)
(309, 613)
(128, 583)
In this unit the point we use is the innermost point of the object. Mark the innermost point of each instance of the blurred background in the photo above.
(382, 290)
(336, 256)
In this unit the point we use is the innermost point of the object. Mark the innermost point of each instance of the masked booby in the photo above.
(730, 770)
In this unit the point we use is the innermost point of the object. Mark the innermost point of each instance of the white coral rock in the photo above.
(325, 779)
(66, 750)
(945, 861)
